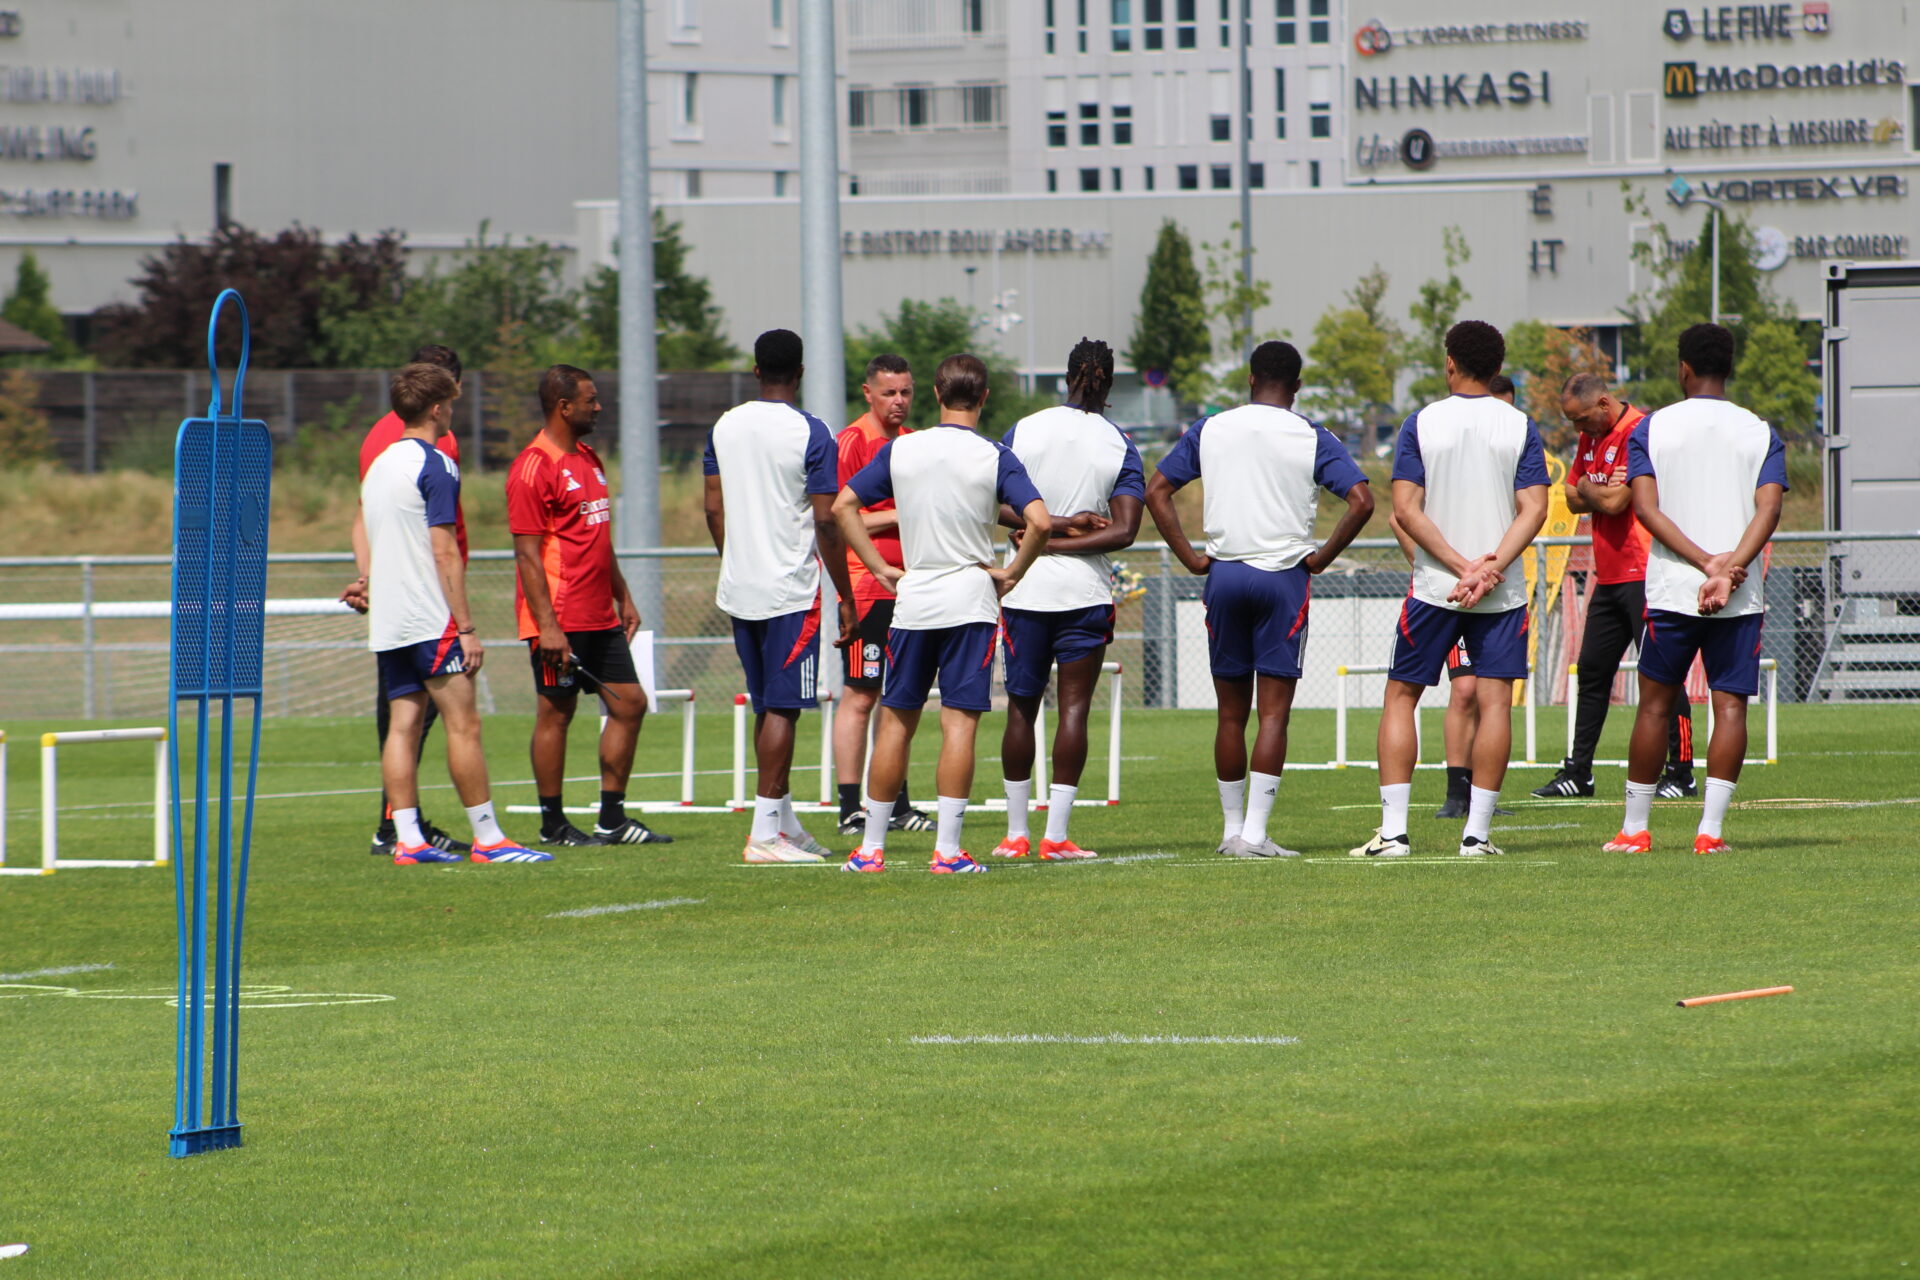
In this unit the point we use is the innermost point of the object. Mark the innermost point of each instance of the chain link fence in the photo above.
(85, 637)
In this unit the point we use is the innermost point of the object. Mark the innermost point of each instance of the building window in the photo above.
(1048, 23)
(1222, 176)
(1154, 14)
(1226, 21)
(1121, 12)
(1257, 176)
(779, 184)
(1220, 96)
(777, 30)
(973, 17)
(1285, 31)
(980, 104)
(686, 22)
(1056, 99)
(1320, 119)
(1080, 24)
(1053, 181)
(1189, 177)
(916, 106)
(1280, 102)
(1122, 125)
(1320, 102)
(1116, 177)
(1089, 179)
(780, 106)
(1089, 111)
(1186, 35)
(1146, 177)
(1313, 173)
(693, 184)
(857, 117)
(1319, 30)
(686, 122)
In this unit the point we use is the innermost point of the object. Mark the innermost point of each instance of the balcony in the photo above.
(877, 25)
(927, 108)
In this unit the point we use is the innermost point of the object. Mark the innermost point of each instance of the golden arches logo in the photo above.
(1682, 80)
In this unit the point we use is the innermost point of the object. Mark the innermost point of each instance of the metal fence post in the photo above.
(90, 433)
(86, 633)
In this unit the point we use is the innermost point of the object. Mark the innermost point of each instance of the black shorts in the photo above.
(866, 663)
(604, 653)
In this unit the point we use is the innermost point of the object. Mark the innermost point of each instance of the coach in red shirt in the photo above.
(383, 434)
(1617, 604)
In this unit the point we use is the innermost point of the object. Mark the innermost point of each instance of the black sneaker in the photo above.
(567, 836)
(911, 820)
(1676, 786)
(630, 831)
(854, 824)
(385, 844)
(1566, 784)
(1455, 807)
(444, 842)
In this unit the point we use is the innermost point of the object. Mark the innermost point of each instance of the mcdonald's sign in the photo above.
(1682, 80)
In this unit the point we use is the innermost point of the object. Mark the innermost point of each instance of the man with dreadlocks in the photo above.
(1062, 611)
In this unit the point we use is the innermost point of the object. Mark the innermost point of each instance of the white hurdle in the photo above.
(6, 870)
(1340, 760)
(50, 859)
(742, 716)
(1768, 665)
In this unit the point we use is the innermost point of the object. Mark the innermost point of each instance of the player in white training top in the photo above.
(1470, 489)
(771, 476)
(418, 623)
(1062, 611)
(948, 483)
(1708, 481)
(1262, 465)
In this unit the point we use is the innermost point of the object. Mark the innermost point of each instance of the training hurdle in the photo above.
(1340, 760)
(5, 870)
(685, 804)
(1767, 665)
(50, 859)
(742, 717)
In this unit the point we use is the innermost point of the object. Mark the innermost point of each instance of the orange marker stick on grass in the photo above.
(1735, 995)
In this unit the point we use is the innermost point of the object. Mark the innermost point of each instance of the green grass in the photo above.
(1491, 1078)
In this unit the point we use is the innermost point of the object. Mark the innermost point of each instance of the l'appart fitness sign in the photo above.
(1051, 240)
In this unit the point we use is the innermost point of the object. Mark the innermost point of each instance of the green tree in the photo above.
(691, 328)
(925, 333)
(30, 306)
(1231, 299)
(1354, 359)
(1540, 358)
(1435, 308)
(1772, 378)
(25, 435)
(1170, 330)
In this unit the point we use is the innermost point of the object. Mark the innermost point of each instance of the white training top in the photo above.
(1471, 454)
(1261, 464)
(1078, 461)
(770, 457)
(1709, 456)
(410, 487)
(948, 483)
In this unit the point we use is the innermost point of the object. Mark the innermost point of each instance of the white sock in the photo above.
(1233, 807)
(946, 838)
(1480, 804)
(1019, 796)
(1713, 810)
(766, 819)
(879, 814)
(486, 828)
(789, 820)
(1261, 790)
(1639, 806)
(1394, 799)
(1059, 810)
(406, 823)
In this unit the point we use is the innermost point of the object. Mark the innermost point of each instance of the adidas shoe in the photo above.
(630, 831)
(1565, 784)
(778, 849)
(507, 851)
(1676, 786)
(1638, 842)
(1382, 847)
(407, 855)
(1013, 847)
(805, 842)
(1711, 844)
(958, 864)
(442, 841)
(854, 824)
(1063, 851)
(861, 860)
(567, 836)
(1475, 847)
(912, 820)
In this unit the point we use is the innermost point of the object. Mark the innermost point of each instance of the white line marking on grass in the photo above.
(54, 973)
(1544, 826)
(656, 905)
(252, 996)
(1455, 861)
(1808, 802)
(1131, 857)
(762, 866)
(1147, 1040)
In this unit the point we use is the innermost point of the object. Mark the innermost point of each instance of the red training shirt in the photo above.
(858, 444)
(562, 498)
(1619, 542)
(387, 432)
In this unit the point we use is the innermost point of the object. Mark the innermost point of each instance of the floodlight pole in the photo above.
(822, 329)
(1713, 310)
(1246, 172)
(639, 512)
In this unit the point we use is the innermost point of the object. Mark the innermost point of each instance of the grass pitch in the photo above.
(1461, 1068)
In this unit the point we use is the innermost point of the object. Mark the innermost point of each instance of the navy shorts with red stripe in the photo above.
(1496, 643)
(407, 669)
(1256, 619)
(1729, 649)
(781, 656)
(961, 657)
(1035, 639)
